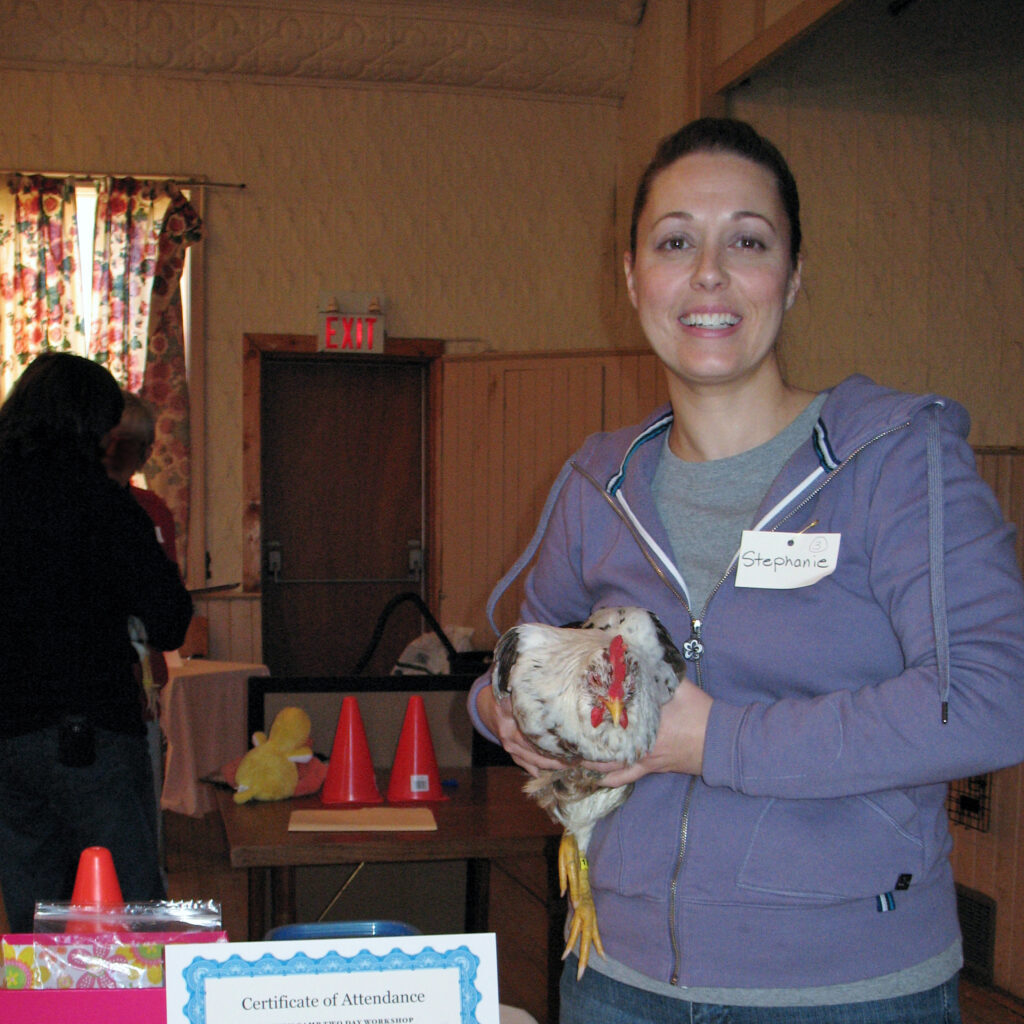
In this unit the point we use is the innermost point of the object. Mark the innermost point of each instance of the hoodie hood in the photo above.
(858, 410)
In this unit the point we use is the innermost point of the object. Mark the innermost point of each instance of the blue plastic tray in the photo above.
(341, 930)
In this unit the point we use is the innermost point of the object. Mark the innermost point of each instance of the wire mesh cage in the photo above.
(969, 802)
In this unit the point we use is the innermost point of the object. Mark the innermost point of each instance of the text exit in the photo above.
(350, 332)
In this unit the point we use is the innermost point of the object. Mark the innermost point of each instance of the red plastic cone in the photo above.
(96, 887)
(414, 770)
(350, 778)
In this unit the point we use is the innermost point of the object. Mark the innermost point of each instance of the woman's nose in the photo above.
(708, 271)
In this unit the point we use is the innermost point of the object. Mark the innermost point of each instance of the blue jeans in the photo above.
(49, 813)
(600, 1000)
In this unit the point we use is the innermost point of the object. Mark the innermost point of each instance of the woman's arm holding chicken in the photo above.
(496, 716)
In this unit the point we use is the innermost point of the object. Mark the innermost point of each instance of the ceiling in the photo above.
(621, 12)
(580, 49)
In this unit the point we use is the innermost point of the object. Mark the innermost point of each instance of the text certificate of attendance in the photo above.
(416, 979)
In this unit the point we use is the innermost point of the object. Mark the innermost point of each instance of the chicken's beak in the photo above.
(615, 709)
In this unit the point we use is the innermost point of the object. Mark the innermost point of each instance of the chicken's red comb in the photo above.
(617, 655)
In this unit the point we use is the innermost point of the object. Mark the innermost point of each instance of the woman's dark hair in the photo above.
(723, 135)
(60, 403)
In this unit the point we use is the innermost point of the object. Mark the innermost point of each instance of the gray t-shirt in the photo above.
(705, 506)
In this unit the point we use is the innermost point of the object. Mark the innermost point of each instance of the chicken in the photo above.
(589, 691)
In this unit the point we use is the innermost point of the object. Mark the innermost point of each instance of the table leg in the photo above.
(257, 883)
(282, 896)
(556, 928)
(478, 895)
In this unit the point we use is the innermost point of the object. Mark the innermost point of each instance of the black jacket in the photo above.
(78, 556)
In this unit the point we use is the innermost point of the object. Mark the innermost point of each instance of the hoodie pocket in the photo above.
(634, 851)
(833, 850)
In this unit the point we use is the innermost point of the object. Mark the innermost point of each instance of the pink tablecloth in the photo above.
(202, 712)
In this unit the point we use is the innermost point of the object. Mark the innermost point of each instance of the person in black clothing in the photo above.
(78, 557)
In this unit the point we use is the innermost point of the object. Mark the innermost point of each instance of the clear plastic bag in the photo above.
(148, 916)
(122, 946)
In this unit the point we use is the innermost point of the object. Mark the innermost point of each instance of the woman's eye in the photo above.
(750, 243)
(674, 243)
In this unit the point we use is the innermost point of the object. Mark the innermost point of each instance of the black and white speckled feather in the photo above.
(555, 677)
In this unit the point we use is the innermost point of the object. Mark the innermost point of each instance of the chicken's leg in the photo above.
(574, 873)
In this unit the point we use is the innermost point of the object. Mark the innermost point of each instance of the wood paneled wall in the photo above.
(509, 423)
(1003, 470)
(235, 626)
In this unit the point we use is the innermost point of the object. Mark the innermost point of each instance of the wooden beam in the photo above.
(767, 44)
(701, 100)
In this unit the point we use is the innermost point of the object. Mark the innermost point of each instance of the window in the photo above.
(146, 233)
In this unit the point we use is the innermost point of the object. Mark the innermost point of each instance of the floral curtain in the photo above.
(38, 272)
(165, 383)
(143, 229)
(124, 257)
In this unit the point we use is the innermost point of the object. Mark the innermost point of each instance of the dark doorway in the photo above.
(343, 462)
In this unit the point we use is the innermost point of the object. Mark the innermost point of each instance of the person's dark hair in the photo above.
(60, 403)
(723, 135)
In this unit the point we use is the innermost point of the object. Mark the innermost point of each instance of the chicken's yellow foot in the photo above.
(574, 873)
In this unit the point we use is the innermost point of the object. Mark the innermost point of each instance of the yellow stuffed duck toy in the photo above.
(270, 770)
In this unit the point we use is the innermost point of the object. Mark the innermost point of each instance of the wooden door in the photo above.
(343, 457)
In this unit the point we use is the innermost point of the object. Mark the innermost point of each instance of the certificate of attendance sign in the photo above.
(422, 979)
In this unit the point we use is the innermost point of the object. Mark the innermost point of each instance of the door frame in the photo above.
(422, 350)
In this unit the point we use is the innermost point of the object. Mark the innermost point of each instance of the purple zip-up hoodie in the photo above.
(814, 848)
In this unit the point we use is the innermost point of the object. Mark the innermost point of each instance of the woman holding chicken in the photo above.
(844, 589)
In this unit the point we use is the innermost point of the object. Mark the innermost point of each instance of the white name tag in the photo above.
(785, 561)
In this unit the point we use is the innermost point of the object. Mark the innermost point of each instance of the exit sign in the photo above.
(352, 333)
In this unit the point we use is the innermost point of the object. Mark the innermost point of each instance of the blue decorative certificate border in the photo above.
(201, 969)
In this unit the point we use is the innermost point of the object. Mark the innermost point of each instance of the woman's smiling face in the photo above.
(712, 275)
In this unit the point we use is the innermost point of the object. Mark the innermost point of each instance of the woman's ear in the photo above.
(793, 285)
(627, 266)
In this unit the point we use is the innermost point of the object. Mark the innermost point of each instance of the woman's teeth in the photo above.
(710, 320)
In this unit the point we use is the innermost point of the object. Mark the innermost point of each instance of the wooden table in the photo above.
(486, 818)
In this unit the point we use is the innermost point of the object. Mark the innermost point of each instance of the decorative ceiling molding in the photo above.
(572, 48)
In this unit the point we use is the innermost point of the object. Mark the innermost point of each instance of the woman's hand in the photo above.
(679, 745)
(497, 716)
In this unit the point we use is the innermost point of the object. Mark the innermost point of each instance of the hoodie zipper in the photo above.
(693, 650)
(831, 476)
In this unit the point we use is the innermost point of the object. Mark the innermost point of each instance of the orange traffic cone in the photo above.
(350, 778)
(414, 770)
(97, 890)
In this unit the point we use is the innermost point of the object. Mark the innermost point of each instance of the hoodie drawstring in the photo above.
(936, 555)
